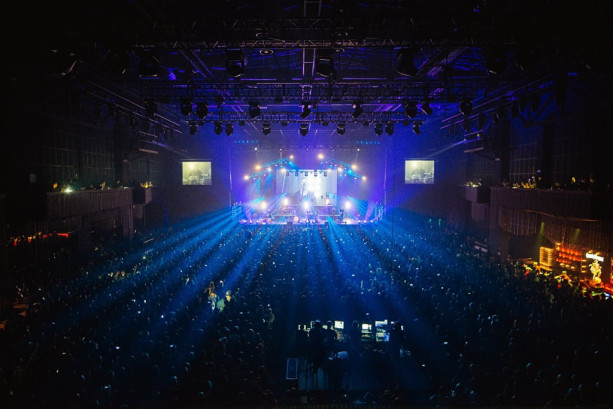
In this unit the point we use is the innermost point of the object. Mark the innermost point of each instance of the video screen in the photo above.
(382, 337)
(196, 172)
(380, 324)
(339, 325)
(315, 184)
(419, 172)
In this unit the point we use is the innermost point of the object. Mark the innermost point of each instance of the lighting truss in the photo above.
(336, 164)
(125, 106)
(319, 117)
(283, 162)
(337, 91)
(283, 33)
(505, 100)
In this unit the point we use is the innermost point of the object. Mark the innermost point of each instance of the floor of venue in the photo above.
(212, 312)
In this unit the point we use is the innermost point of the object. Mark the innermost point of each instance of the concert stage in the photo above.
(276, 221)
(255, 214)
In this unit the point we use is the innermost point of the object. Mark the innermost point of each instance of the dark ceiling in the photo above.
(386, 55)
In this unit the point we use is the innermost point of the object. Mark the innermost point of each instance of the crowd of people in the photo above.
(205, 313)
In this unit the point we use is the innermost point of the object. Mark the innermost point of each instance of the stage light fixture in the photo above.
(496, 60)
(284, 123)
(266, 129)
(324, 66)
(186, 106)
(466, 107)
(193, 128)
(357, 109)
(254, 110)
(229, 129)
(416, 129)
(202, 110)
(118, 60)
(148, 65)
(389, 128)
(526, 57)
(536, 101)
(378, 128)
(497, 116)
(304, 129)
(306, 111)
(446, 74)
(235, 63)
(324, 63)
(425, 107)
(218, 128)
(410, 109)
(514, 110)
(151, 107)
(481, 120)
(340, 129)
(404, 63)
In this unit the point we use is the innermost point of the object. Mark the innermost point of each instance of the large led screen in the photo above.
(419, 172)
(196, 172)
(314, 184)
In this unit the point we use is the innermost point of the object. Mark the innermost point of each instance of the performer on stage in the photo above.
(595, 269)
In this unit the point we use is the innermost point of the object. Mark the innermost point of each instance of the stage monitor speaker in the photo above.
(290, 222)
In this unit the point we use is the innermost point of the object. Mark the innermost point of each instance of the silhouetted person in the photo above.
(317, 349)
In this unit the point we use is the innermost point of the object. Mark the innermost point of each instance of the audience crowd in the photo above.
(207, 314)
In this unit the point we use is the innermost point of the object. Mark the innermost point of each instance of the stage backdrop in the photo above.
(316, 184)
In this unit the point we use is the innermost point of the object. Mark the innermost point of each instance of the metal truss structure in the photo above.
(316, 91)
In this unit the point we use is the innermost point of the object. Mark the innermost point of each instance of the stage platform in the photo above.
(304, 222)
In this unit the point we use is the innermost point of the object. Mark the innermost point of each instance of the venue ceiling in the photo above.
(441, 63)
